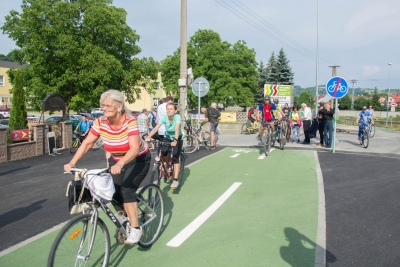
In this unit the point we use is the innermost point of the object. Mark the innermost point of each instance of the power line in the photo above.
(292, 43)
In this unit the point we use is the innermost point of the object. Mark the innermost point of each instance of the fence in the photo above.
(38, 144)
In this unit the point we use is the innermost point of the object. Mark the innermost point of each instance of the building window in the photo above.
(1, 80)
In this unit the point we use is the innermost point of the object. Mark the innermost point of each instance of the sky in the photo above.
(360, 36)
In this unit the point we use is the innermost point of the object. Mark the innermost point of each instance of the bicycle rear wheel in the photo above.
(365, 139)
(75, 145)
(372, 131)
(190, 144)
(151, 214)
(72, 244)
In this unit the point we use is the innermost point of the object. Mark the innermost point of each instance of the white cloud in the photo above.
(370, 70)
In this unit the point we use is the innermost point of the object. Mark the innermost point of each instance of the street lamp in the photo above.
(387, 103)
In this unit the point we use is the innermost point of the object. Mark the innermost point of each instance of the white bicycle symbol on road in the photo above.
(332, 87)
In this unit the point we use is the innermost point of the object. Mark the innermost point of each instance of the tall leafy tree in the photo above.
(375, 100)
(18, 111)
(262, 80)
(230, 69)
(7, 57)
(272, 76)
(360, 102)
(345, 102)
(285, 75)
(305, 97)
(79, 49)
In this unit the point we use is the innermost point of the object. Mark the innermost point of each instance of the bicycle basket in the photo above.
(100, 184)
(76, 202)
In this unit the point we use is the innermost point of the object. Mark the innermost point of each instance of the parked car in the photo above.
(97, 110)
(33, 118)
(97, 115)
(4, 113)
(4, 123)
(135, 113)
(89, 116)
(75, 119)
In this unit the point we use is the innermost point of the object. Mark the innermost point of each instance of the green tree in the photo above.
(272, 70)
(360, 102)
(285, 74)
(262, 80)
(229, 69)
(375, 101)
(79, 49)
(8, 57)
(305, 97)
(345, 102)
(18, 111)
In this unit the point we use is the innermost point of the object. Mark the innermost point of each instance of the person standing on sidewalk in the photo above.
(295, 123)
(143, 123)
(306, 123)
(328, 113)
(321, 124)
(213, 116)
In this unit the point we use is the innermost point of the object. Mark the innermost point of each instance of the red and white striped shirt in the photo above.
(116, 140)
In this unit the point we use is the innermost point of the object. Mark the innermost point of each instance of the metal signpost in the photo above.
(336, 87)
(200, 88)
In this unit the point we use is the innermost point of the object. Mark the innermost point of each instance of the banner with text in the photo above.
(282, 92)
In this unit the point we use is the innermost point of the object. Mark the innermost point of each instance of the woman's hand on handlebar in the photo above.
(68, 167)
(117, 168)
(148, 139)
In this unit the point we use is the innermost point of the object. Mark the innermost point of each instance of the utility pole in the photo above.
(352, 97)
(317, 66)
(333, 75)
(183, 64)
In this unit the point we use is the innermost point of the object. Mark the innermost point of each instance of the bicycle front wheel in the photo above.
(190, 144)
(98, 144)
(365, 139)
(372, 131)
(81, 242)
(75, 145)
(282, 138)
(267, 142)
(181, 169)
(244, 129)
(151, 214)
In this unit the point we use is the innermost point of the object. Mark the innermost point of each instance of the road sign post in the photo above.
(200, 88)
(336, 87)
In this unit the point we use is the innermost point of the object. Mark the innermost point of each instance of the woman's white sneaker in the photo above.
(133, 235)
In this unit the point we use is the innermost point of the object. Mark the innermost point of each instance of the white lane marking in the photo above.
(234, 156)
(193, 226)
(320, 253)
(263, 155)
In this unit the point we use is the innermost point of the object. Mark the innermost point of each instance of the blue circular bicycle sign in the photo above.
(337, 87)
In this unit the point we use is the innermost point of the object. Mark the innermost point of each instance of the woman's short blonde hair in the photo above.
(117, 96)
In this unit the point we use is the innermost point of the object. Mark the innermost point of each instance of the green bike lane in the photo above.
(269, 219)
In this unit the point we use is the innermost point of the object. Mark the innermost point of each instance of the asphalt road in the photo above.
(361, 190)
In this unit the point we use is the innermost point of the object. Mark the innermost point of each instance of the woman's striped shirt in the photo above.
(116, 140)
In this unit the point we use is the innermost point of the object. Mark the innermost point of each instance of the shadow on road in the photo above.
(350, 142)
(301, 250)
(14, 170)
(20, 213)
